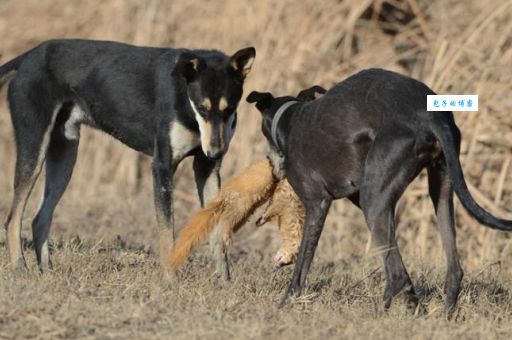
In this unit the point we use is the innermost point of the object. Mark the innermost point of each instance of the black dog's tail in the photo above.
(446, 134)
(11, 65)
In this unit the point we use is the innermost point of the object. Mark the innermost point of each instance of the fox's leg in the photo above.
(271, 212)
(286, 205)
(277, 203)
(291, 226)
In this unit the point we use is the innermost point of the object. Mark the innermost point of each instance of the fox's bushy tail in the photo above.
(195, 232)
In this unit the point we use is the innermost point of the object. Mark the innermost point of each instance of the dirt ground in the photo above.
(105, 283)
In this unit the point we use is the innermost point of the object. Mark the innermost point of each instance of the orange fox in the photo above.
(239, 197)
(287, 207)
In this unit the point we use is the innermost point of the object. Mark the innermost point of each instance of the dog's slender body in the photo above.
(167, 103)
(366, 139)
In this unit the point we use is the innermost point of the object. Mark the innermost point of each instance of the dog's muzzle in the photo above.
(214, 155)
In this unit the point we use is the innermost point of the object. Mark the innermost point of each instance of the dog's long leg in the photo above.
(219, 251)
(441, 192)
(206, 173)
(60, 160)
(390, 167)
(32, 140)
(316, 212)
(208, 184)
(163, 171)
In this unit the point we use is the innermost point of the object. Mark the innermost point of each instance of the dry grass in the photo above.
(103, 288)
(111, 290)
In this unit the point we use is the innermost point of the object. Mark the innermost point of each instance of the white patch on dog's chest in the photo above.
(182, 140)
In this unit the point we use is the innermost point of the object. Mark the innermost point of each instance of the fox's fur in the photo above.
(287, 207)
(236, 201)
(239, 197)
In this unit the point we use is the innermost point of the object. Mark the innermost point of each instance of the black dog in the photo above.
(366, 139)
(168, 103)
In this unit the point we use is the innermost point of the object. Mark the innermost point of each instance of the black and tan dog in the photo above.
(168, 103)
(366, 139)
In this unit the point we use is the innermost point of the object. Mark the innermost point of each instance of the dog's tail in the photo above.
(236, 201)
(447, 136)
(10, 66)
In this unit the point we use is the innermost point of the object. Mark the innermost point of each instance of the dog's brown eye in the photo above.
(202, 108)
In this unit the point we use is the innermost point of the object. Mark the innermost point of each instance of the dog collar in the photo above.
(277, 117)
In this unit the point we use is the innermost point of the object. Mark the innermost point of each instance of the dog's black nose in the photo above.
(214, 156)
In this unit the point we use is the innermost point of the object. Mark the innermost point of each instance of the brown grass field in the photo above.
(105, 282)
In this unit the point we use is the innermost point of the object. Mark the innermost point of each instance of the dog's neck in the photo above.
(275, 123)
(277, 152)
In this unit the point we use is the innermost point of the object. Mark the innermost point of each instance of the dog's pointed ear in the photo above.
(312, 93)
(189, 66)
(263, 100)
(242, 60)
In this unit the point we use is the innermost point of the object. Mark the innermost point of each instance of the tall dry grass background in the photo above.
(454, 46)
